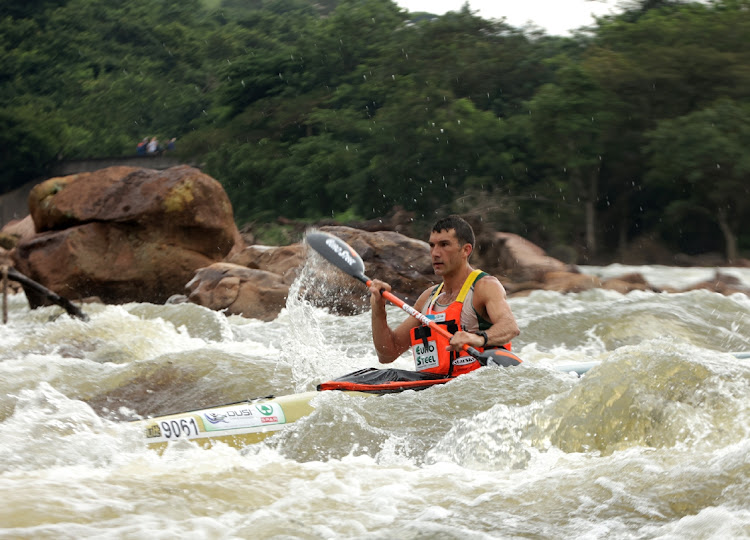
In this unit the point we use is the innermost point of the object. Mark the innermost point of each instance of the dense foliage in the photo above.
(636, 127)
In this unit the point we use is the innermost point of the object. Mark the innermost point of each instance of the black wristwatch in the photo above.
(484, 335)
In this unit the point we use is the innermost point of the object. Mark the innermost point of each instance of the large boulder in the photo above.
(188, 206)
(126, 234)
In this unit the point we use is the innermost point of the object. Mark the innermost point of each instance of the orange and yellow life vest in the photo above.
(430, 348)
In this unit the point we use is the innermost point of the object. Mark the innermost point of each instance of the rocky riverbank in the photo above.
(124, 234)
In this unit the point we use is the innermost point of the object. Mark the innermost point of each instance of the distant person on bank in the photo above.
(140, 149)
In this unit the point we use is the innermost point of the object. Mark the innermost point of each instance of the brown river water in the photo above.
(653, 442)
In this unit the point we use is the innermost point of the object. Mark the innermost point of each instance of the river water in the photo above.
(654, 442)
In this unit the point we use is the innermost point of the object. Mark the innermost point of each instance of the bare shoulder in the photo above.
(489, 287)
(491, 302)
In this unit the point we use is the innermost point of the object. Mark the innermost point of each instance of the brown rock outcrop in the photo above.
(514, 257)
(721, 283)
(401, 261)
(18, 230)
(186, 204)
(282, 260)
(126, 234)
(563, 282)
(569, 282)
(405, 263)
(624, 287)
(238, 290)
(628, 282)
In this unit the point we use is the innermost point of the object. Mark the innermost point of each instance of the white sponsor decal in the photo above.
(425, 356)
(243, 416)
(340, 251)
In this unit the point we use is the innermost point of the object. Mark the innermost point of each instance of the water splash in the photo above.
(320, 345)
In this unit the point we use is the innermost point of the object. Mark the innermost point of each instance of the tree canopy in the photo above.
(635, 126)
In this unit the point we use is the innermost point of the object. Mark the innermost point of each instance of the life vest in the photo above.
(430, 348)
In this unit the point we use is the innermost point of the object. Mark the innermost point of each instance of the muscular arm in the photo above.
(491, 303)
(390, 343)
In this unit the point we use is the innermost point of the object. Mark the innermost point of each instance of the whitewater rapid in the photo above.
(652, 443)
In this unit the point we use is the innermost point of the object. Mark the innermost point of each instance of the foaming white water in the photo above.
(652, 442)
(49, 431)
(598, 321)
(669, 276)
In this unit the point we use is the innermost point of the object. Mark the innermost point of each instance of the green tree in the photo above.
(701, 160)
(571, 122)
(664, 61)
(27, 146)
(111, 72)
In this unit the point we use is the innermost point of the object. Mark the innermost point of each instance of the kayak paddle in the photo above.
(343, 257)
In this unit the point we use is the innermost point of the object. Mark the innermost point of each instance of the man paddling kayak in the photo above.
(470, 303)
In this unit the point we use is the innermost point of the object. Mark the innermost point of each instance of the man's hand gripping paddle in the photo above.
(343, 257)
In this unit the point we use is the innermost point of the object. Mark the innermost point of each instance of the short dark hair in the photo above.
(464, 232)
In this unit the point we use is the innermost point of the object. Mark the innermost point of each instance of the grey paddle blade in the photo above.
(499, 357)
(338, 253)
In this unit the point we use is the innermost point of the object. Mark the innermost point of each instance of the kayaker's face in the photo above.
(448, 255)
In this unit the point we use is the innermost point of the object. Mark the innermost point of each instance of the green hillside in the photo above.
(634, 128)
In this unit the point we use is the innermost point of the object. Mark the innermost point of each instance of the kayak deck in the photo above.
(249, 422)
(236, 424)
